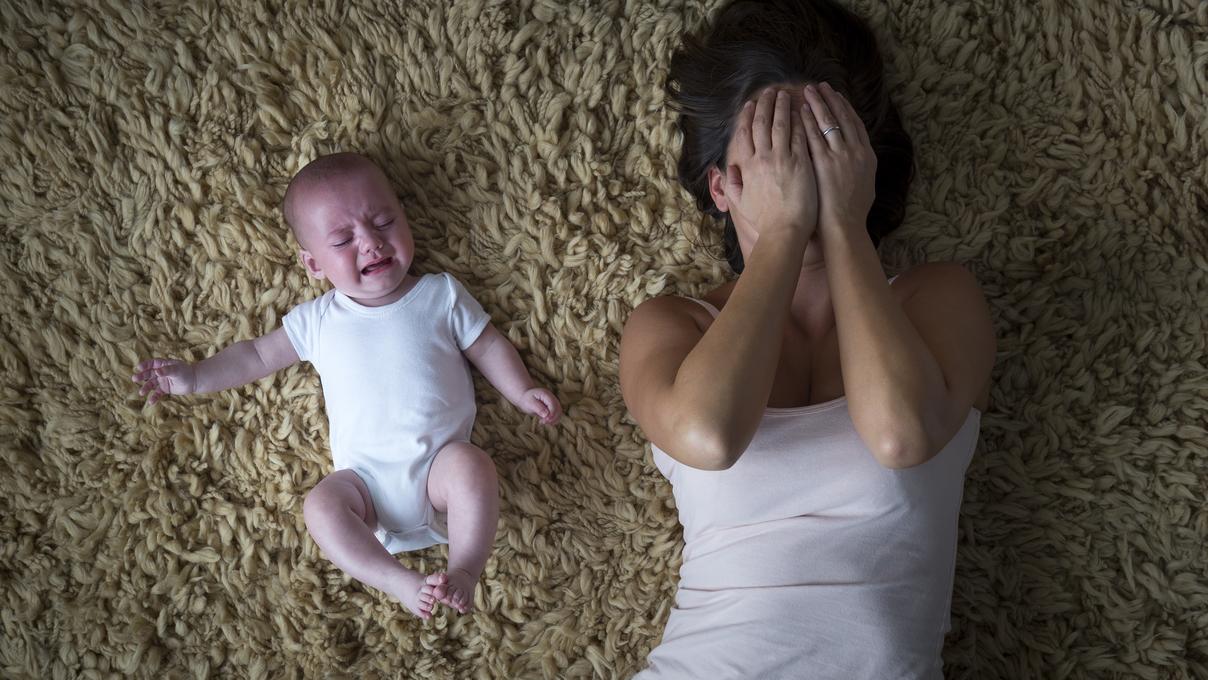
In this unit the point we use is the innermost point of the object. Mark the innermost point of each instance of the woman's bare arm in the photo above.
(700, 396)
(911, 370)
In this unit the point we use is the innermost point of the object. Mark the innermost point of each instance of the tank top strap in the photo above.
(711, 309)
(714, 311)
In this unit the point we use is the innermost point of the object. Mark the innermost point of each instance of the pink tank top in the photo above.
(808, 559)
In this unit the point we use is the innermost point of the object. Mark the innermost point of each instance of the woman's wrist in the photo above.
(842, 233)
(784, 234)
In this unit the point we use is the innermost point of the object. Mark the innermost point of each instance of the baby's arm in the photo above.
(241, 363)
(499, 362)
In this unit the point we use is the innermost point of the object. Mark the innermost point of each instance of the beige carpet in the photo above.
(143, 155)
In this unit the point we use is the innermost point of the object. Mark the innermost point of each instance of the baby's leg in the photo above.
(462, 483)
(340, 517)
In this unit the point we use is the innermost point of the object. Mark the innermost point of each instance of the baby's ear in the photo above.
(310, 264)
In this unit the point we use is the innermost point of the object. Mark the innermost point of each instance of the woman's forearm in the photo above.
(889, 374)
(724, 383)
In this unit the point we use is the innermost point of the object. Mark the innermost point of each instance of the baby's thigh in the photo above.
(341, 489)
(460, 469)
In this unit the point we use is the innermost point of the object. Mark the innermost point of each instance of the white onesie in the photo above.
(397, 389)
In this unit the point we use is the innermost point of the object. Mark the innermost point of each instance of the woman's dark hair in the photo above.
(753, 44)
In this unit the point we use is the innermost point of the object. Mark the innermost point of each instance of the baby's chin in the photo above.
(374, 294)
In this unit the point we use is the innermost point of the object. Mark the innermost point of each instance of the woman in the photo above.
(814, 419)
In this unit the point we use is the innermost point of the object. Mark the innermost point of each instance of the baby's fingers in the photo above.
(544, 410)
(151, 367)
(147, 387)
(142, 372)
(145, 375)
(151, 364)
(554, 409)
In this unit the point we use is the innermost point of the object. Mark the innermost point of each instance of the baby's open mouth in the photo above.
(380, 264)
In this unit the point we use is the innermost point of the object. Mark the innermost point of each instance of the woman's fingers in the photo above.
(828, 124)
(813, 133)
(761, 126)
(801, 142)
(743, 142)
(782, 123)
(845, 115)
(733, 180)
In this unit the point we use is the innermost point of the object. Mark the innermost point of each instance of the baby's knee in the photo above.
(317, 504)
(472, 465)
(329, 497)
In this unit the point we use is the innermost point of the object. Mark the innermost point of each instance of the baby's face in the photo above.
(354, 233)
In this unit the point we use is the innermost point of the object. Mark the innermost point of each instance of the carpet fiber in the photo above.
(144, 150)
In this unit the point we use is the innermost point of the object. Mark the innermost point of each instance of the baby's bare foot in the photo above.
(459, 593)
(417, 593)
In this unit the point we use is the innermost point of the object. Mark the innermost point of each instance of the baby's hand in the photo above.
(541, 403)
(164, 376)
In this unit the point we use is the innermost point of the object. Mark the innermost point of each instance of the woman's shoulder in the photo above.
(657, 314)
(718, 296)
(933, 275)
(948, 308)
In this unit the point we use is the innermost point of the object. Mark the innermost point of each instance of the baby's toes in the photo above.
(439, 585)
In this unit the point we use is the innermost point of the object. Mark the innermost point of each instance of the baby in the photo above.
(389, 350)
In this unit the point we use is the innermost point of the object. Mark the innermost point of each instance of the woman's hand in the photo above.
(770, 179)
(542, 403)
(164, 376)
(844, 162)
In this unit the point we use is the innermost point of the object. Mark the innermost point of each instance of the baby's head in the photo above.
(351, 228)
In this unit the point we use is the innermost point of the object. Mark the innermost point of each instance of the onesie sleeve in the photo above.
(466, 317)
(302, 326)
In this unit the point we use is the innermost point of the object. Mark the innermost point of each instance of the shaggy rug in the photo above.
(144, 151)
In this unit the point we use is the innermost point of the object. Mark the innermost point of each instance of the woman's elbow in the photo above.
(707, 448)
(899, 454)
